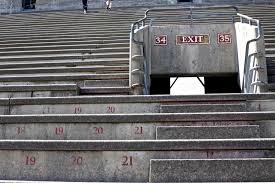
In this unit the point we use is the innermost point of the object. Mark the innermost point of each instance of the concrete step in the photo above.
(74, 30)
(118, 161)
(116, 55)
(63, 77)
(122, 161)
(208, 132)
(110, 83)
(208, 170)
(65, 51)
(137, 104)
(67, 63)
(41, 39)
(60, 47)
(66, 35)
(45, 129)
(7, 45)
(79, 69)
(63, 34)
(104, 90)
(48, 90)
(203, 108)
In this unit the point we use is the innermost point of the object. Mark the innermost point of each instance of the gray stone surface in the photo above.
(203, 108)
(50, 87)
(140, 145)
(197, 60)
(221, 170)
(98, 131)
(105, 90)
(47, 117)
(96, 166)
(207, 132)
(58, 77)
(147, 99)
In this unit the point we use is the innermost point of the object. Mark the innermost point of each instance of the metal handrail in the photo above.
(191, 9)
(259, 35)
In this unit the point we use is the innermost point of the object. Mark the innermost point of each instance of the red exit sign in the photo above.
(161, 40)
(224, 38)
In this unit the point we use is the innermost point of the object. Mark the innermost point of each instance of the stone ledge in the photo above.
(138, 118)
(141, 99)
(139, 145)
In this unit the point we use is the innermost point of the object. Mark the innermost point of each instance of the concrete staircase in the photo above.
(50, 132)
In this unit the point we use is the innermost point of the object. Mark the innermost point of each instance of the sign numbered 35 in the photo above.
(224, 38)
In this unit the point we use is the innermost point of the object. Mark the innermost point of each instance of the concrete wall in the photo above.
(193, 59)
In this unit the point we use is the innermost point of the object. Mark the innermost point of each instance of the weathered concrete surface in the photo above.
(145, 117)
(50, 90)
(203, 108)
(108, 108)
(192, 59)
(94, 131)
(125, 161)
(207, 132)
(221, 170)
(205, 99)
(94, 166)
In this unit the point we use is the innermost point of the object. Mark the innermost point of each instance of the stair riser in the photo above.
(202, 108)
(68, 64)
(113, 131)
(38, 94)
(212, 170)
(66, 43)
(76, 57)
(83, 51)
(69, 70)
(210, 132)
(96, 166)
(61, 47)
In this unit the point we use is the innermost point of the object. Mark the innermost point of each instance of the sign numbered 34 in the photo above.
(161, 40)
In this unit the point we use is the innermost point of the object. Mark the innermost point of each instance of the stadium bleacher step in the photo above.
(121, 160)
(78, 56)
(207, 132)
(208, 170)
(105, 90)
(68, 63)
(203, 108)
(48, 135)
(78, 69)
(48, 90)
(106, 83)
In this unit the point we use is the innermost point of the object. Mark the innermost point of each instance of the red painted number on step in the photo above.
(111, 109)
(77, 110)
(139, 130)
(98, 130)
(127, 161)
(59, 131)
(30, 160)
(77, 160)
(20, 130)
